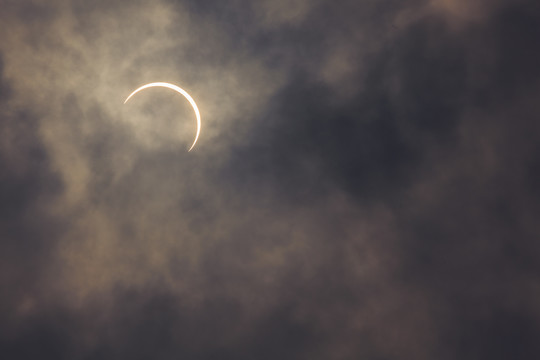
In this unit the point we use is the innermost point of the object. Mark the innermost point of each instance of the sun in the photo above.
(181, 91)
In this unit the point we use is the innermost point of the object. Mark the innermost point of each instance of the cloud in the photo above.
(364, 184)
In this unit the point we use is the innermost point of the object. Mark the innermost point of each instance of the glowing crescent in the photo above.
(181, 91)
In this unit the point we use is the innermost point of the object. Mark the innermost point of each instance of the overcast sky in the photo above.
(365, 184)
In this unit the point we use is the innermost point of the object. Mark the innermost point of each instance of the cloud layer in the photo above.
(364, 185)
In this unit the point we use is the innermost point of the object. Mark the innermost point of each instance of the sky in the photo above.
(365, 184)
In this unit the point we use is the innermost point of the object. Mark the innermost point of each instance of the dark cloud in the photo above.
(27, 230)
(364, 185)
